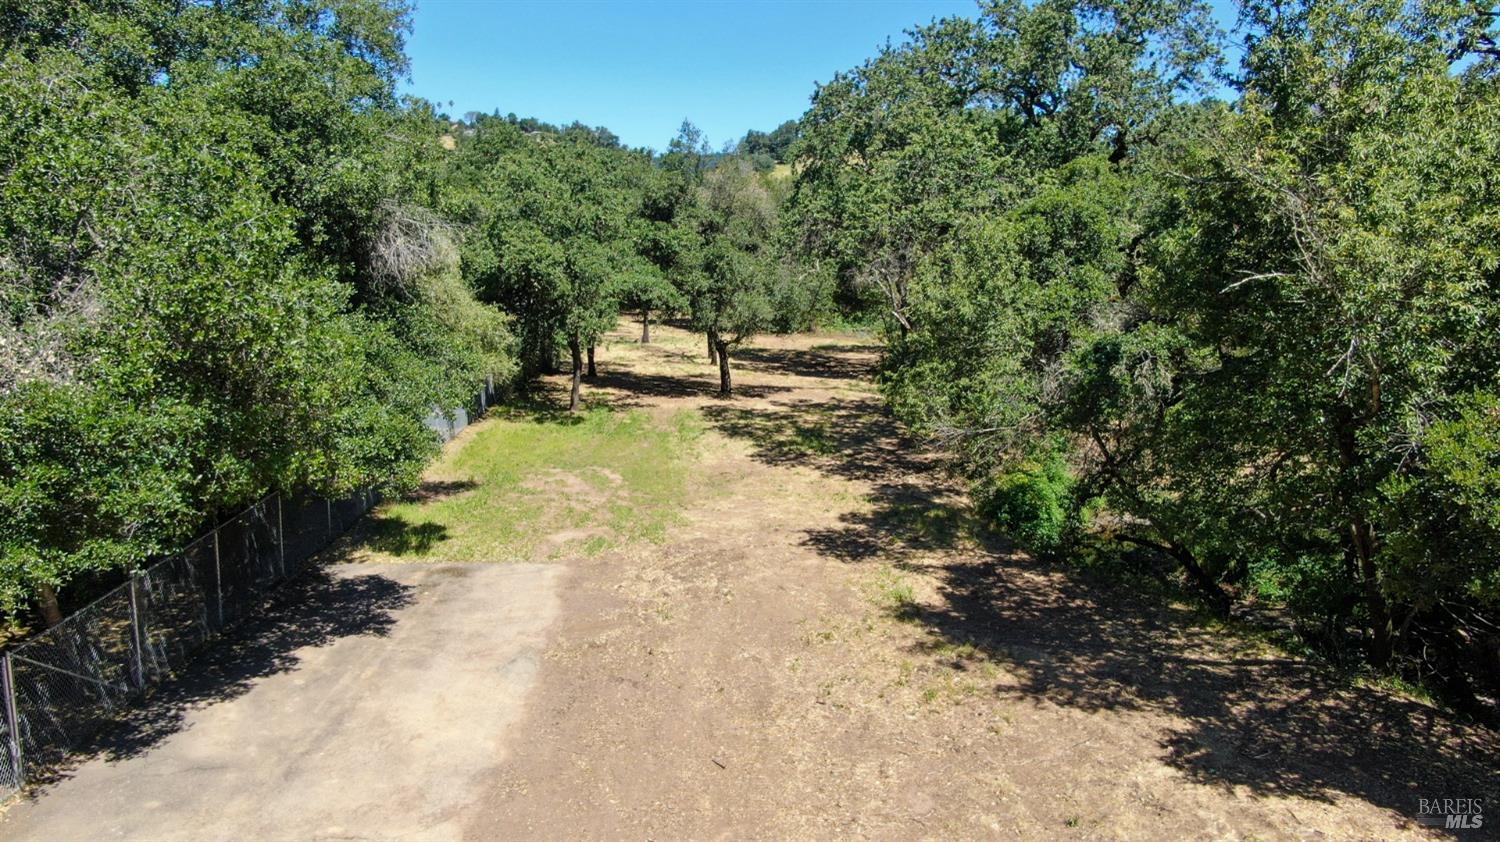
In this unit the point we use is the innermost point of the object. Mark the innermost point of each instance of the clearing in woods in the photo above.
(770, 617)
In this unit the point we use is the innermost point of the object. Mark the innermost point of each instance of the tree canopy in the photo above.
(217, 275)
(1255, 339)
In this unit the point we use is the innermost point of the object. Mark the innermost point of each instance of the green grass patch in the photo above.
(537, 486)
(894, 595)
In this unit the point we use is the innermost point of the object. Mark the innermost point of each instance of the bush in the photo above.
(1034, 503)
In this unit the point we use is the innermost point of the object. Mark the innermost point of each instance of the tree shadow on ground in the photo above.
(540, 402)
(386, 532)
(314, 609)
(853, 438)
(433, 490)
(397, 536)
(1274, 725)
(638, 386)
(912, 516)
(632, 389)
(838, 362)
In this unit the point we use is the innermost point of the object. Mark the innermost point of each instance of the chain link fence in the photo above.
(450, 423)
(63, 686)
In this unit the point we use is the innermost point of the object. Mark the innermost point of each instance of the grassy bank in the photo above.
(537, 486)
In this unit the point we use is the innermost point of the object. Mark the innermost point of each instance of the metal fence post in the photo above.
(328, 506)
(218, 580)
(137, 633)
(12, 720)
(280, 537)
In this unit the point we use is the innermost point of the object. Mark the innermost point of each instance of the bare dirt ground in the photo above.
(820, 650)
(819, 646)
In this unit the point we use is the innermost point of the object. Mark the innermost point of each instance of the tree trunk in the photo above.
(1218, 601)
(722, 348)
(1362, 534)
(577, 372)
(1363, 539)
(1213, 594)
(593, 372)
(645, 326)
(46, 602)
(713, 356)
(1120, 148)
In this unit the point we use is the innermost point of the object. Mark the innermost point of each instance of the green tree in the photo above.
(552, 236)
(1260, 336)
(768, 148)
(986, 179)
(211, 275)
(665, 244)
(1335, 268)
(969, 117)
(688, 154)
(730, 294)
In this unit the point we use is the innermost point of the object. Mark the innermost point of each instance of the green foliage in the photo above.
(801, 297)
(688, 155)
(215, 277)
(900, 155)
(731, 293)
(563, 231)
(1334, 268)
(232, 261)
(1445, 515)
(1033, 502)
(648, 289)
(665, 247)
(1261, 335)
(552, 221)
(765, 149)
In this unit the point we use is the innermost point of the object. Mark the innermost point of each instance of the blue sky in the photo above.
(640, 68)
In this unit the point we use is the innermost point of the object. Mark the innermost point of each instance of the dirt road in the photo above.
(822, 649)
(822, 646)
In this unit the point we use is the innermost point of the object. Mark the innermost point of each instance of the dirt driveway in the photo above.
(821, 646)
(372, 706)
